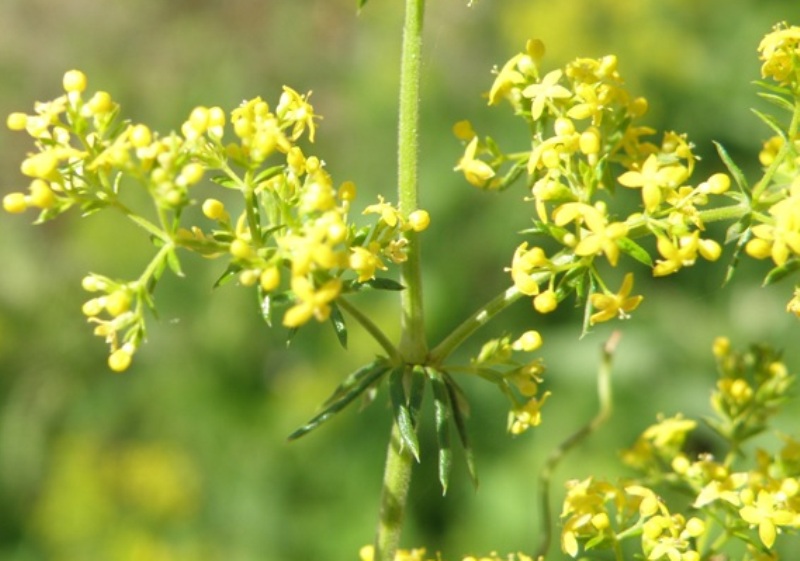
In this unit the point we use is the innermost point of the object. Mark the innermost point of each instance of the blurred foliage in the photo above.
(185, 457)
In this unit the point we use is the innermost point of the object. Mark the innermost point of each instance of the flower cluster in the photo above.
(367, 553)
(731, 499)
(292, 236)
(586, 142)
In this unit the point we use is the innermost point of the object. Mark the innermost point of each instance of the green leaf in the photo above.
(379, 283)
(460, 410)
(442, 414)
(772, 122)
(778, 100)
(228, 274)
(267, 174)
(402, 415)
(361, 4)
(779, 273)
(269, 301)
(353, 386)
(636, 251)
(743, 238)
(735, 171)
(225, 181)
(174, 263)
(339, 326)
(416, 392)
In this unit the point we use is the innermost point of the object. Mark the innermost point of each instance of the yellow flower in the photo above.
(780, 50)
(545, 92)
(652, 177)
(768, 516)
(522, 264)
(529, 415)
(507, 78)
(295, 109)
(609, 306)
(389, 214)
(477, 172)
(603, 237)
(311, 302)
(364, 262)
(683, 253)
(781, 239)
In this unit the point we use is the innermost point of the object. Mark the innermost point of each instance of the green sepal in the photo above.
(352, 387)
(636, 251)
(442, 414)
(736, 172)
(402, 415)
(339, 326)
(779, 273)
(460, 410)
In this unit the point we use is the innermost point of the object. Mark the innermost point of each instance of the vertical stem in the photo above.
(412, 343)
(396, 481)
(412, 347)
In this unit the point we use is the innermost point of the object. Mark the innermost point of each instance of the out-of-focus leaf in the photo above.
(778, 100)
(772, 122)
(743, 238)
(174, 263)
(779, 273)
(339, 326)
(736, 172)
(378, 283)
(402, 415)
(347, 391)
(636, 251)
(228, 274)
(361, 4)
(416, 392)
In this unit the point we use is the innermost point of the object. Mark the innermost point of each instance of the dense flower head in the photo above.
(289, 234)
(585, 141)
(780, 53)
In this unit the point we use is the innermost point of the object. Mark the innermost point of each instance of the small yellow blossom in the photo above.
(310, 301)
(609, 306)
(477, 172)
(651, 178)
(529, 415)
(768, 514)
(545, 92)
(523, 263)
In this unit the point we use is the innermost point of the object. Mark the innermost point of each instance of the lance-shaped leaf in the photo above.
(460, 410)
(780, 273)
(228, 274)
(736, 172)
(416, 392)
(402, 414)
(361, 4)
(636, 251)
(339, 326)
(743, 238)
(442, 415)
(378, 283)
(772, 122)
(353, 386)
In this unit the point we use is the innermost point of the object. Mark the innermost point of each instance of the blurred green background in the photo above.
(185, 456)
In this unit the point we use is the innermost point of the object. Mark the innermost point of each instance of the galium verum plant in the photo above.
(609, 196)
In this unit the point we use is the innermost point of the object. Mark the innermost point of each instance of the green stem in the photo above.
(605, 400)
(396, 481)
(376, 332)
(761, 186)
(412, 343)
(413, 347)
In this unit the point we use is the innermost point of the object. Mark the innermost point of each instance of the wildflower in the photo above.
(767, 514)
(609, 306)
(507, 79)
(603, 237)
(528, 341)
(477, 172)
(389, 214)
(779, 50)
(683, 253)
(311, 302)
(364, 261)
(651, 178)
(529, 415)
(523, 263)
(780, 239)
(545, 92)
(295, 109)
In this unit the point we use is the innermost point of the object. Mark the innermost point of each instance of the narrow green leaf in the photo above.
(416, 392)
(460, 410)
(771, 122)
(174, 263)
(268, 173)
(228, 274)
(402, 415)
(737, 252)
(339, 326)
(636, 251)
(361, 4)
(349, 390)
(736, 172)
(379, 283)
(442, 414)
(778, 100)
(779, 273)
(225, 181)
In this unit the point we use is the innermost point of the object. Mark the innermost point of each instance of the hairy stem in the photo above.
(413, 347)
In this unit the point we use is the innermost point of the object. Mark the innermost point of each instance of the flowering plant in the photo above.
(607, 193)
